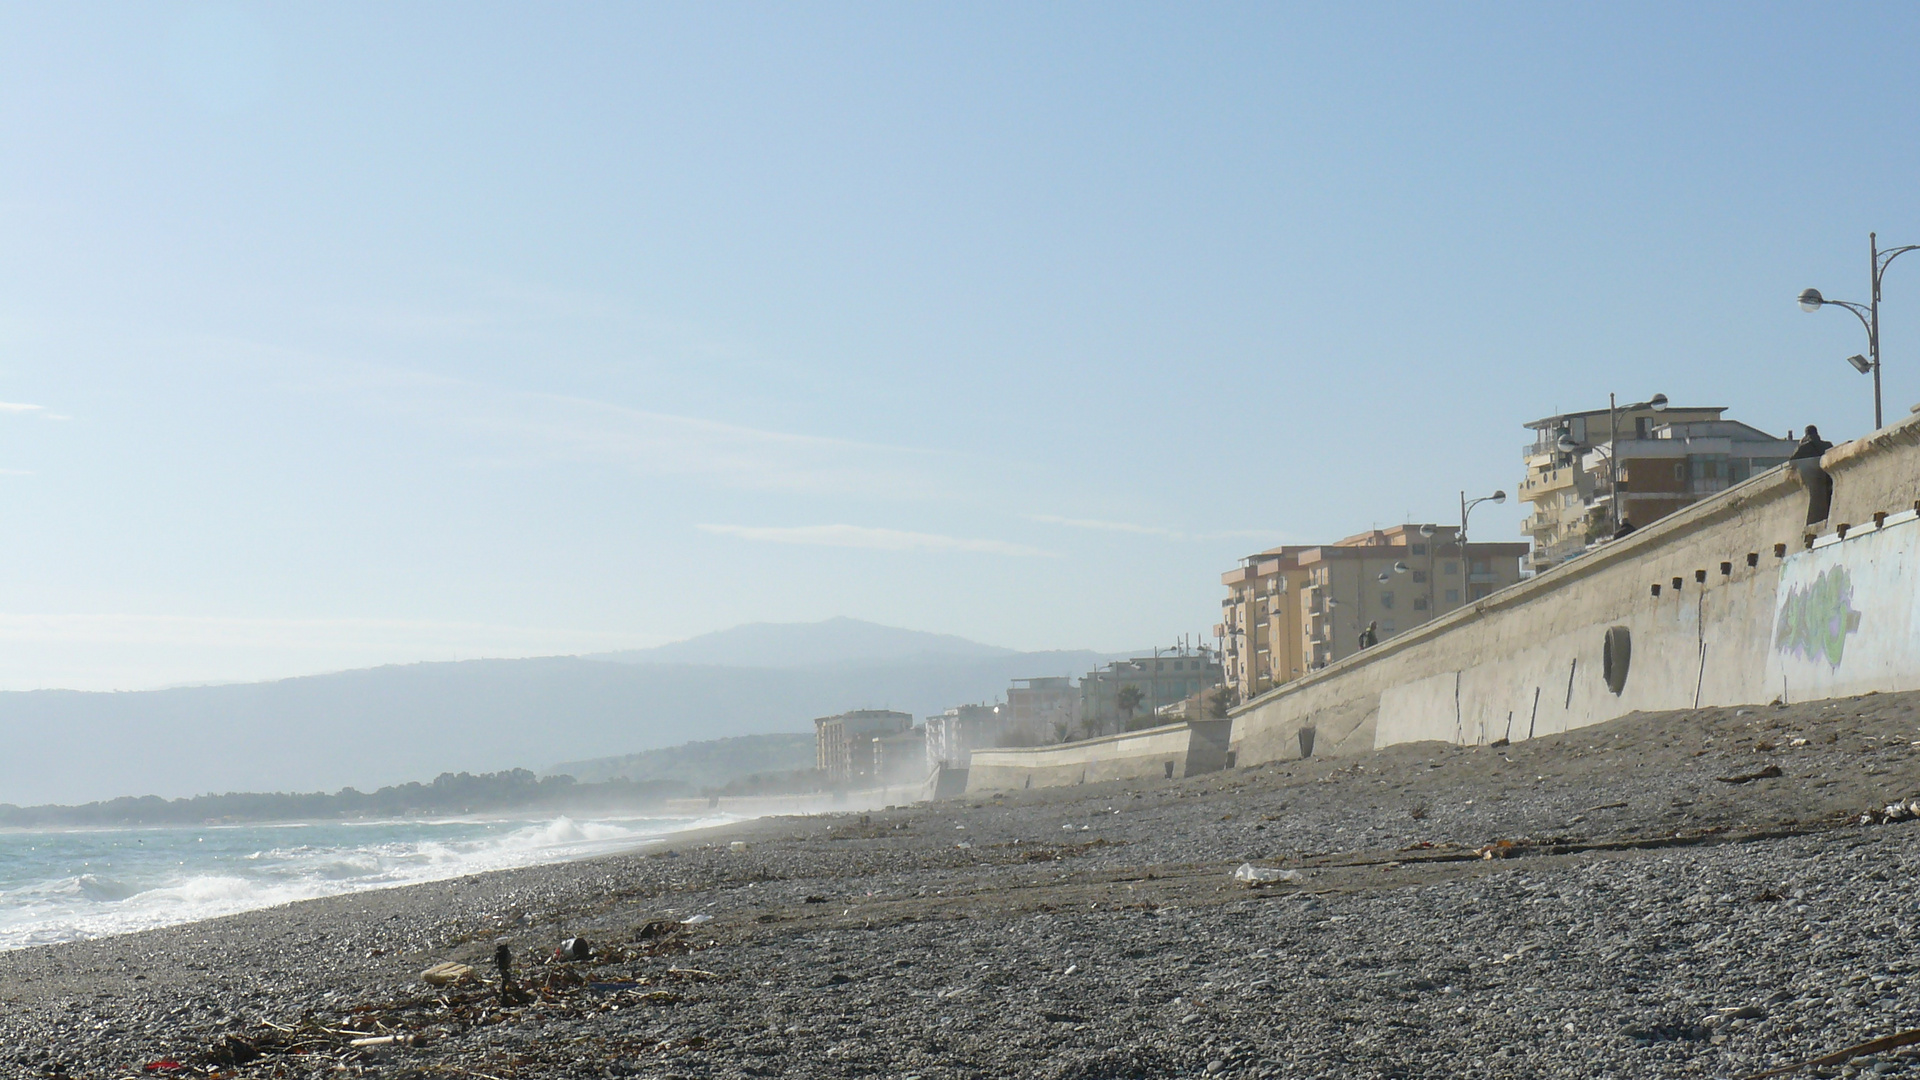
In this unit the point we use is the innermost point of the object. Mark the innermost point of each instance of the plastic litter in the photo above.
(446, 974)
(696, 920)
(574, 948)
(387, 1040)
(1264, 875)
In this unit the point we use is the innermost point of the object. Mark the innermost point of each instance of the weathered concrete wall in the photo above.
(1530, 660)
(1171, 750)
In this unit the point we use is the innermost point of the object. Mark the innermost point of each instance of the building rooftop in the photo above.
(1559, 419)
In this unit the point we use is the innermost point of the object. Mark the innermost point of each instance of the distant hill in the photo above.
(704, 764)
(388, 725)
(793, 645)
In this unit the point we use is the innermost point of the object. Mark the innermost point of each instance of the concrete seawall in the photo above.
(1734, 600)
(1721, 603)
(1171, 750)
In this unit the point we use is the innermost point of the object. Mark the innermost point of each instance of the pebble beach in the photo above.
(1704, 894)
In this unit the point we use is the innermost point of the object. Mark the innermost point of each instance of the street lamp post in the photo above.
(1868, 313)
(1568, 445)
(1465, 563)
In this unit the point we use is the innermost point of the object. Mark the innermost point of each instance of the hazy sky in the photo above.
(339, 334)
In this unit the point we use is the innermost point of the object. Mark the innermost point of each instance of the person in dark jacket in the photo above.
(1370, 636)
(1811, 445)
(1805, 460)
(1626, 526)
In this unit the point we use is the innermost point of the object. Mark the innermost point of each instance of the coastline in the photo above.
(1098, 931)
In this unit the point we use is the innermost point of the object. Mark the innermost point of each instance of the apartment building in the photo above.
(953, 735)
(1260, 621)
(1588, 471)
(843, 745)
(1045, 709)
(1294, 610)
(1164, 678)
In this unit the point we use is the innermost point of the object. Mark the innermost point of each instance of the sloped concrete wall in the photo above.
(1529, 660)
(1171, 750)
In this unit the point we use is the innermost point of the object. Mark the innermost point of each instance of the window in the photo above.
(1388, 627)
(1481, 566)
(1680, 470)
(1419, 577)
(1419, 603)
(1386, 600)
(1453, 596)
(1417, 549)
(1451, 568)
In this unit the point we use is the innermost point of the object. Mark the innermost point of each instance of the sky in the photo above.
(343, 334)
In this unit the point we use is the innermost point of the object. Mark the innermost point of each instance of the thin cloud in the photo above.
(857, 536)
(655, 443)
(1152, 530)
(1107, 526)
(200, 630)
(16, 407)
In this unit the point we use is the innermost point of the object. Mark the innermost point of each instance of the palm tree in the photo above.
(1129, 699)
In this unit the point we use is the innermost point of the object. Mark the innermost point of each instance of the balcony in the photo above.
(1541, 483)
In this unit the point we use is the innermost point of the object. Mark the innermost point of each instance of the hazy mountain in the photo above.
(389, 725)
(795, 645)
(702, 764)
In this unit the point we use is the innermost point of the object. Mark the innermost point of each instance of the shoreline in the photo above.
(1655, 919)
(692, 811)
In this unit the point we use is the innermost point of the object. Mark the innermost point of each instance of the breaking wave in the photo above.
(67, 885)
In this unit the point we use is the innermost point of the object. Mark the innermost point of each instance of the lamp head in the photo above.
(1567, 445)
(1499, 497)
(1426, 530)
(1860, 363)
(1399, 568)
(1385, 577)
(1810, 300)
(1658, 403)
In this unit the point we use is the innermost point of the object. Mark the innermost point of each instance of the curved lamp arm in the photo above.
(1886, 260)
(1859, 312)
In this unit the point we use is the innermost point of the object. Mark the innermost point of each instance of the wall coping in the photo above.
(1098, 740)
(1764, 487)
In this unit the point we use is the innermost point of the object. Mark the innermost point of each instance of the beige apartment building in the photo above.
(1044, 710)
(1293, 610)
(1260, 621)
(843, 745)
(1665, 457)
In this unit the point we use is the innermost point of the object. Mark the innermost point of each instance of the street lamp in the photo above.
(1868, 313)
(1567, 445)
(1465, 509)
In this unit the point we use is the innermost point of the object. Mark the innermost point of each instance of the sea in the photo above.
(67, 884)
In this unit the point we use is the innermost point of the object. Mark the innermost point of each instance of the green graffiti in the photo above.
(1816, 619)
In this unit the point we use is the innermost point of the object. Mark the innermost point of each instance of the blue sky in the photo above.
(346, 334)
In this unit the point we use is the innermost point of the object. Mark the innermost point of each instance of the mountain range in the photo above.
(386, 725)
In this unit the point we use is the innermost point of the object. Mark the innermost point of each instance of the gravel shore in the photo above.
(1683, 894)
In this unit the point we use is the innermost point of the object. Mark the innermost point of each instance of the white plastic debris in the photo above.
(696, 920)
(1263, 875)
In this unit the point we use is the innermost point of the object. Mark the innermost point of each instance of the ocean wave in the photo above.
(162, 878)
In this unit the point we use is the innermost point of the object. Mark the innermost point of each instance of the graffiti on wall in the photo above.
(1846, 616)
(1816, 619)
